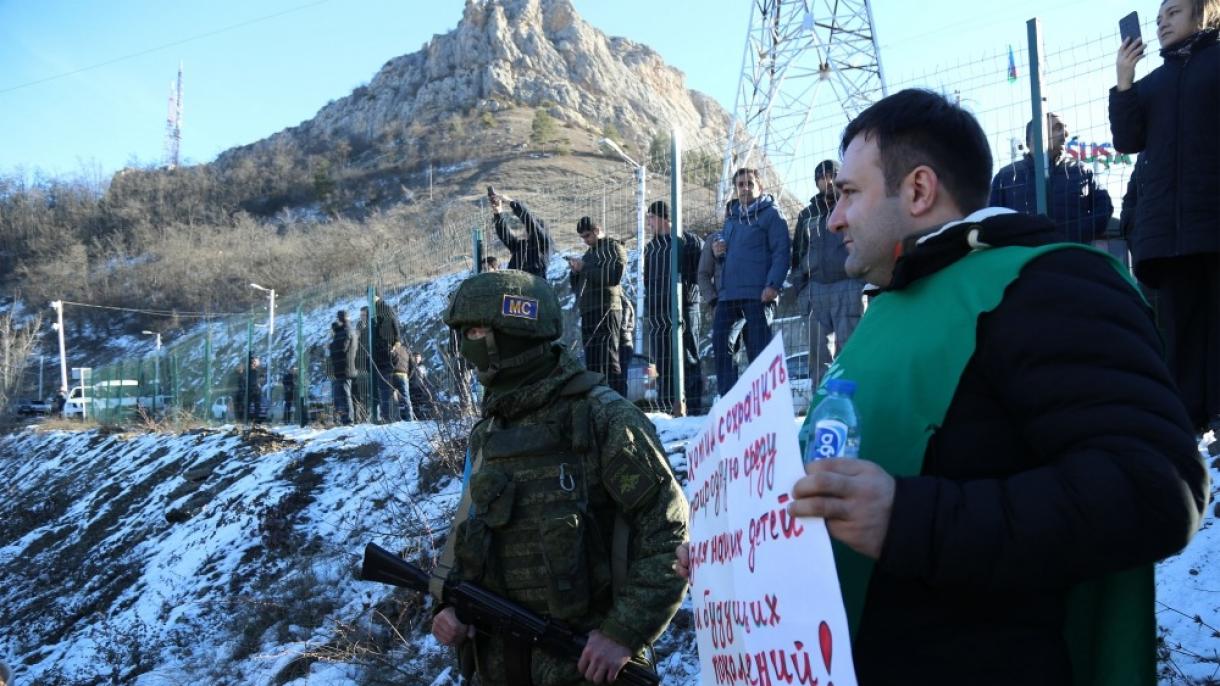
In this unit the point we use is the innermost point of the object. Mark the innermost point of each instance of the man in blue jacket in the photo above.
(1074, 202)
(755, 249)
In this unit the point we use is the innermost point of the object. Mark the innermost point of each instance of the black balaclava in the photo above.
(505, 361)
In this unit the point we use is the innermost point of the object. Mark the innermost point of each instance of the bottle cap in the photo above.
(842, 386)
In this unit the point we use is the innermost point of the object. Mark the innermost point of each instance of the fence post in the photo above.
(677, 354)
(368, 328)
(302, 377)
(1038, 132)
(476, 241)
(173, 369)
(207, 375)
(641, 205)
(246, 366)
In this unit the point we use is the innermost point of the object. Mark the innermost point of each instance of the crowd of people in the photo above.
(1029, 425)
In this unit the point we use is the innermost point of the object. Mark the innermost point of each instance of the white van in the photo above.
(104, 396)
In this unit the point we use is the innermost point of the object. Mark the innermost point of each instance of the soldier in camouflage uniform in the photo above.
(574, 511)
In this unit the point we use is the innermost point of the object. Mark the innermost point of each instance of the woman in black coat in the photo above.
(1171, 117)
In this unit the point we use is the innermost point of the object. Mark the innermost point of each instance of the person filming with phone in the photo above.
(1171, 117)
(531, 252)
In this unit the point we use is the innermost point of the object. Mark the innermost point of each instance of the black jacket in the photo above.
(531, 253)
(1080, 209)
(1065, 454)
(657, 295)
(1171, 117)
(598, 285)
(818, 254)
(343, 353)
(386, 332)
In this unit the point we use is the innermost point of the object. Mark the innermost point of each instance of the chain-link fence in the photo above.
(668, 327)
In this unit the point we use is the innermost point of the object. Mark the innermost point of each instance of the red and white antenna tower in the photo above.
(173, 122)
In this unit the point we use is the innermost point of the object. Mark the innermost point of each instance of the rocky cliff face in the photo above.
(507, 54)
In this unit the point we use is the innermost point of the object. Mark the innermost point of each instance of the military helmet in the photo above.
(510, 301)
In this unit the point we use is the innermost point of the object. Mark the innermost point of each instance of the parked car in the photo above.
(35, 408)
(641, 380)
(802, 385)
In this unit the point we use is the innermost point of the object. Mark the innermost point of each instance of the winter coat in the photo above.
(1080, 210)
(598, 284)
(818, 254)
(400, 359)
(343, 348)
(1050, 468)
(386, 332)
(626, 335)
(657, 294)
(1171, 117)
(758, 250)
(711, 272)
(620, 472)
(531, 253)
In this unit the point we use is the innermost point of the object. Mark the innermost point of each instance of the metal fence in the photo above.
(200, 374)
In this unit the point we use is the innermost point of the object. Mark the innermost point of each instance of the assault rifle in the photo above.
(492, 614)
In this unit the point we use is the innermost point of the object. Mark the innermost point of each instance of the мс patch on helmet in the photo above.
(519, 306)
(509, 301)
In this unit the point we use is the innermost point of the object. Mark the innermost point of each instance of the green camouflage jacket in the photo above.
(561, 458)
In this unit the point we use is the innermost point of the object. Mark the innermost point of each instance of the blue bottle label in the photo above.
(829, 438)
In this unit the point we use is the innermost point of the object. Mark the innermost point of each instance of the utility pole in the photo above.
(792, 49)
(173, 123)
(156, 368)
(270, 321)
(58, 305)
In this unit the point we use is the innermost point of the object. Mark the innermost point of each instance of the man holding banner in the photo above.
(1014, 487)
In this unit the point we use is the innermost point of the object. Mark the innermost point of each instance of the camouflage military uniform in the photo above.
(560, 459)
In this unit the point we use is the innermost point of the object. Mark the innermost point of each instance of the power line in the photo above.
(163, 46)
(159, 313)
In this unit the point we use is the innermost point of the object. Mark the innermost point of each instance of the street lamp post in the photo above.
(641, 175)
(270, 330)
(156, 368)
(58, 306)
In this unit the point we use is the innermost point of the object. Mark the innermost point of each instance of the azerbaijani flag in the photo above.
(1012, 66)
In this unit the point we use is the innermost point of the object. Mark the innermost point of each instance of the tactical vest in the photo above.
(539, 515)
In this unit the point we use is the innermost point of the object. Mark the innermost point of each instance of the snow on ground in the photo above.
(230, 557)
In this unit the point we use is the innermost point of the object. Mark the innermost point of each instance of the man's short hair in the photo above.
(750, 171)
(586, 224)
(824, 168)
(1029, 128)
(917, 127)
(491, 261)
(659, 208)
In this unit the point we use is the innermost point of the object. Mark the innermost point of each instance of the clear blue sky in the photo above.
(86, 83)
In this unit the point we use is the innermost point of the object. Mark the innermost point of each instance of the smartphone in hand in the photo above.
(1129, 26)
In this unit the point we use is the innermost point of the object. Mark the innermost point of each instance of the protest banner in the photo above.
(765, 594)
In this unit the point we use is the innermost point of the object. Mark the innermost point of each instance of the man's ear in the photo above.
(920, 190)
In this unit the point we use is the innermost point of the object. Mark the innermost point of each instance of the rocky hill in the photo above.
(520, 92)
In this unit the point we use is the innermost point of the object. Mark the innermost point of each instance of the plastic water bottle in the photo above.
(836, 429)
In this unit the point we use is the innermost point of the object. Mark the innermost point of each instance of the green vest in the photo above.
(907, 357)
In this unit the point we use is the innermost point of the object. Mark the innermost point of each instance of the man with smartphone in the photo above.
(596, 280)
(529, 253)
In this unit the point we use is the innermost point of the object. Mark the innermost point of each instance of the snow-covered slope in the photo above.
(227, 557)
